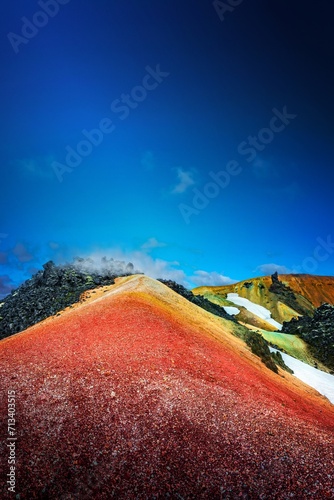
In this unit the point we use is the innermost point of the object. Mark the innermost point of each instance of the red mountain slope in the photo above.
(138, 393)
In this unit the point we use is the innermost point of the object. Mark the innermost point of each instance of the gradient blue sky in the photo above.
(129, 196)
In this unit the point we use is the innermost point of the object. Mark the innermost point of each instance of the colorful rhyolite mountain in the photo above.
(286, 296)
(137, 393)
(263, 304)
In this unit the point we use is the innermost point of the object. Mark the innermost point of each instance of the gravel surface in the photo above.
(138, 394)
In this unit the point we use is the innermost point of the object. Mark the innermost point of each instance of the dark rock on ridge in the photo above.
(318, 332)
(51, 290)
(199, 300)
(285, 293)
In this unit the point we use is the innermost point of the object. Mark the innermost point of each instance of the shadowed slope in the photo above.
(137, 393)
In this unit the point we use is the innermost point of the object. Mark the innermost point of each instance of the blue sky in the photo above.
(200, 137)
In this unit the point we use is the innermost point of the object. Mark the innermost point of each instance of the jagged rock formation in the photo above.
(51, 290)
(318, 332)
(285, 294)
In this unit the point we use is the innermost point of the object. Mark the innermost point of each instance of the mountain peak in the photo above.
(136, 389)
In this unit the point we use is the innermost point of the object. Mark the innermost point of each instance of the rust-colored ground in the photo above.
(137, 393)
(317, 289)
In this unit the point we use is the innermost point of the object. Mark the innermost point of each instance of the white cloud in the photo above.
(267, 269)
(186, 179)
(142, 262)
(152, 243)
(203, 278)
(156, 268)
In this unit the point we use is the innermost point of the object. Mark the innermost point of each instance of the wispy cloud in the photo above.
(204, 278)
(267, 269)
(152, 243)
(142, 262)
(186, 179)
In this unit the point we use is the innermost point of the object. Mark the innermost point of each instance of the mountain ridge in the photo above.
(293, 300)
(314, 290)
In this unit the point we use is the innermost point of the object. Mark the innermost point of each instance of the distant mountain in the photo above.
(287, 298)
(136, 392)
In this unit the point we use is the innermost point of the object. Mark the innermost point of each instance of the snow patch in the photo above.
(321, 381)
(259, 311)
(233, 311)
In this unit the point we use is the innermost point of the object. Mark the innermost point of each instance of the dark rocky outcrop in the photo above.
(260, 347)
(248, 284)
(51, 290)
(277, 357)
(318, 332)
(285, 294)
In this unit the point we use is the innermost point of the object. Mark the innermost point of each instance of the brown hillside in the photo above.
(316, 289)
